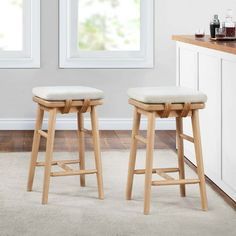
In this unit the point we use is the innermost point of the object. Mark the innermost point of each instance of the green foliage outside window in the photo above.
(109, 25)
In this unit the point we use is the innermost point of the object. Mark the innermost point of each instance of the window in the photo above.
(106, 33)
(19, 33)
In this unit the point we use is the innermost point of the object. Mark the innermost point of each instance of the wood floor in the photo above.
(21, 141)
(66, 141)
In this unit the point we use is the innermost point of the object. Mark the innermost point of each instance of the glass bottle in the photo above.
(215, 24)
(229, 25)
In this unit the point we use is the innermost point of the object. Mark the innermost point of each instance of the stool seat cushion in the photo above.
(157, 95)
(58, 93)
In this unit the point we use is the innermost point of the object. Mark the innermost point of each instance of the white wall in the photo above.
(171, 17)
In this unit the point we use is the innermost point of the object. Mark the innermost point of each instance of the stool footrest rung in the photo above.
(164, 175)
(186, 137)
(141, 139)
(64, 166)
(167, 170)
(73, 172)
(53, 163)
(43, 133)
(175, 182)
(87, 131)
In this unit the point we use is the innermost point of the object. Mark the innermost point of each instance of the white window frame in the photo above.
(29, 57)
(70, 57)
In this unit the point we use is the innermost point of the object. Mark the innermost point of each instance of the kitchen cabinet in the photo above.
(229, 123)
(211, 68)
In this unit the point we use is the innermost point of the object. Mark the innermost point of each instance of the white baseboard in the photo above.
(70, 124)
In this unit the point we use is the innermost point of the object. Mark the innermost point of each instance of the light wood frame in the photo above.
(152, 111)
(65, 107)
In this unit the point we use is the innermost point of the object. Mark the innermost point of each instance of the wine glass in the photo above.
(220, 33)
(200, 33)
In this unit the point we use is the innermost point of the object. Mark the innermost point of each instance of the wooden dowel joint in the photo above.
(186, 137)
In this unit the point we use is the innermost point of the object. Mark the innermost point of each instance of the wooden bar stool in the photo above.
(65, 100)
(164, 102)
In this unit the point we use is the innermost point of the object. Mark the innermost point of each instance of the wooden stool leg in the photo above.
(133, 153)
(199, 159)
(80, 119)
(49, 153)
(149, 161)
(97, 151)
(35, 148)
(180, 146)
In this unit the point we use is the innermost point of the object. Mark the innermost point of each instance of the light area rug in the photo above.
(73, 210)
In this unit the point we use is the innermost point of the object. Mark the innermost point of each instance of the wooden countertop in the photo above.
(229, 46)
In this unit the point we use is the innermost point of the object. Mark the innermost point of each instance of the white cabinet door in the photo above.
(210, 117)
(188, 76)
(229, 124)
(188, 71)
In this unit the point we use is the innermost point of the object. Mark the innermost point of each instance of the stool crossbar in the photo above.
(153, 111)
(65, 107)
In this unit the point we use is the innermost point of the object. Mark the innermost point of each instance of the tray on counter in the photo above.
(224, 39)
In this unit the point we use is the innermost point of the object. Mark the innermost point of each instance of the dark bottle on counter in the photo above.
(215, 23)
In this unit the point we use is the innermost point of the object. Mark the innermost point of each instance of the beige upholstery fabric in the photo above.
(166, 95)
(67, 93)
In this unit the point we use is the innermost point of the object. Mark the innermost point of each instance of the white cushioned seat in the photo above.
(57, 93)
(166, 95)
